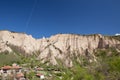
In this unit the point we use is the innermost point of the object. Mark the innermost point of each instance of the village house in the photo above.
(41, 76)
(16, 68)
(20, 76)
(38, 69)
(6, 69)
(14, 71)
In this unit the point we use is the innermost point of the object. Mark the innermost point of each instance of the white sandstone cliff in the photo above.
(60, 46)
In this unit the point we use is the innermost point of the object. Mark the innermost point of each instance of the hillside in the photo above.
(63, 47)
(76, 57)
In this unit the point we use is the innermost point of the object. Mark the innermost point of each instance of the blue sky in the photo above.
(48, 17)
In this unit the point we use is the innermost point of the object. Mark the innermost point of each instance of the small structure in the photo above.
(14, 64)
(39, 69)
(1, 71)
(13, 71)
(20, 76)
(41, 76)
(6, 69)
(17, 68)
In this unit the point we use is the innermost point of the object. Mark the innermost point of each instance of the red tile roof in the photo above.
(19, 75)
(16, 67)
(39, 75)
(11, 67)
(6, 67)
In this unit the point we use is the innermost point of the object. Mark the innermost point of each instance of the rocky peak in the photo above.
(26, 42)
(63, 46)
(58, 47)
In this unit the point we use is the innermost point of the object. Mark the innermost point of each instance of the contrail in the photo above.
(30, 15)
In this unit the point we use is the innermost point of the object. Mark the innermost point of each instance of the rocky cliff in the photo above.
(62, 47)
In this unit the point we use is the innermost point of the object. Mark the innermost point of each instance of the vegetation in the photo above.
(107, 66)
(116, 37)
(8, 58)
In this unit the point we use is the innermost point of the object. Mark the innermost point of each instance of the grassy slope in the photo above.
(8, 58)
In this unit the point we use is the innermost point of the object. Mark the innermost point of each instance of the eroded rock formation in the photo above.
(61, 46)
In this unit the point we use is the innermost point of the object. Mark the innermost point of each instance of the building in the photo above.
(15, 71)
(20, 76)
(41, 76)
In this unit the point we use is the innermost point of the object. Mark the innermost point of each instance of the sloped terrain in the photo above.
(63, 47)
(76, 57)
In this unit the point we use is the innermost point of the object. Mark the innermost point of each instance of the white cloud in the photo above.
(117, 34)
